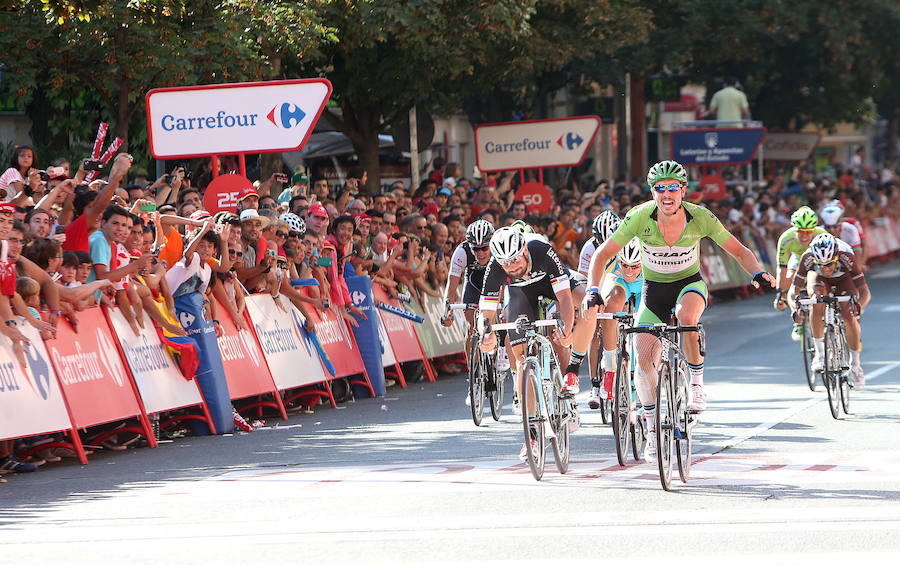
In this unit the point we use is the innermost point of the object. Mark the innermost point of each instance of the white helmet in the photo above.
(831, 215)
(824, 248)
(631, 253)
(295, 223)
(604, 225)
(507, 244)
(479, 232)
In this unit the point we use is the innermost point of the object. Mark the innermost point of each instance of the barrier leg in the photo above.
(366, 383)
(397, 372)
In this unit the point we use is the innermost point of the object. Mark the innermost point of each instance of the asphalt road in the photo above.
(409, 479)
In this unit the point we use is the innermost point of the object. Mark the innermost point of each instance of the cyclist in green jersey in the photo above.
(791, 246)
(670, 231)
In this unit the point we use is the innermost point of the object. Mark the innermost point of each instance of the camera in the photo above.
(92, 165)
(45, 176)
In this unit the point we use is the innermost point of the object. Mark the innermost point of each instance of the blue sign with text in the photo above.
(699, 147)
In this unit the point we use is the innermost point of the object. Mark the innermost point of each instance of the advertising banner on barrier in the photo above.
(437, 339)
(387, 354)
(401, 332)
(291, 356)
(366, 332)
(158, 378)
(31, 401)
(336, 341)
(91, 372)
(245, 367)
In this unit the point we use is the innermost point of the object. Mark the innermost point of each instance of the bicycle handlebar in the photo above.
(623, 316)
(458, 306)
(515, 325)
(825, 300)
(657, 329)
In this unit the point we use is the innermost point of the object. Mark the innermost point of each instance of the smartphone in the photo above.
(323, 261)
(60, 229)
(271, 252)
(149, 207)
(45, 176)
(281, 177)
(92, 165)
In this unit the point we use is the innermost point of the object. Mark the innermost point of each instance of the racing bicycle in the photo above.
(485, 382)
(674, 422)
(836, 370)
(549, 413)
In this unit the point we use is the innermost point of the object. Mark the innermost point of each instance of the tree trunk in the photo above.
(638, 132)
(892, 131)
(367, 150)
(269, 164)
(122, 111)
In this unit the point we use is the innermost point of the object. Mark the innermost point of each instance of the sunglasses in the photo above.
(510, 261)
(806, 231)
(233, 252)
(280, 233)
(627, 266)
(833, 261)
(832, 227)
(665, 187)
(480, 248)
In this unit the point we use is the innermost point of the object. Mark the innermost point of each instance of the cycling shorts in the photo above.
(472, 290)
(660, 298)
(524, 300)
(840, 285)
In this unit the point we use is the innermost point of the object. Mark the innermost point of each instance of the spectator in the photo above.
(729, 104)
(22, 178)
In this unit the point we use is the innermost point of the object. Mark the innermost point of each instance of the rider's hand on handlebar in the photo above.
(488, 342)
(797, 315)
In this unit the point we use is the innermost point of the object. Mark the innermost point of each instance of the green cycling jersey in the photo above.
(789, 246)
(669, 263)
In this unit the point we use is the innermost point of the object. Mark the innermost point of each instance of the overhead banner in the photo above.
(31, 401)
(784, 146)
(291, 356)
(158, 378)
(531, 144)
(219, 119)
(437, 339)
(722, 146)
(91, 372)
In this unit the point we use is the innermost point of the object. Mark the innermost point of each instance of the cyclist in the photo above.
(859, 228)
(601, 386)
(833, 220)
(830, 265)
(529, 269)
(791, 245)
(630, 276)
(670, 231)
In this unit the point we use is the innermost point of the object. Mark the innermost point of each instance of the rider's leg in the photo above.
(583, 332)
(817, 322)
(615, 302)
(690, 307)
(647, 348)
(470, 328)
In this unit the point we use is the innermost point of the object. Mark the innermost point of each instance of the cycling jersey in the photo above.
(587, 252)
(850, 235)
(670, 263)
(463, 262)
(633, 288)
(790, 247)
(858, 225)
(847, 268)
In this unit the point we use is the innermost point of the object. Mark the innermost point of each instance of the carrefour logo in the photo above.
(569, 141)
(286, 115)
(40, 371)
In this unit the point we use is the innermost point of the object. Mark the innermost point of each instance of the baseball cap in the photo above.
(249, 191)
(251, 215)
(445, 191)
(200, 215)
(7, 208)
(316, 209)
(299, 177)
(57, 173)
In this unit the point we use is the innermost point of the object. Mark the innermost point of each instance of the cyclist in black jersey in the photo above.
(470, 258)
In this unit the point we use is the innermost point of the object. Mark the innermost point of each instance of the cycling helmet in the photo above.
(479, 232)
(225, 217)
(804, 218)
(521, 226)
(831, 215)
(604, 225)
(666, 170)
(824, 248)
(295, 223)
(507, 244)
(631, 253)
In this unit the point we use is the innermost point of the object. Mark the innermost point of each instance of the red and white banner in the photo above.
(292, 358)
(245, 366)
(401, 332)
(158, 378)
(31, 400)
(93, 378)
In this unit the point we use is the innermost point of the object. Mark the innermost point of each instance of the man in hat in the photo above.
(257, 262)
(317, 218)
(248, 199)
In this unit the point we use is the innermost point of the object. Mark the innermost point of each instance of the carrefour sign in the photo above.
(724, 146)
(535, 144)
(234, 118)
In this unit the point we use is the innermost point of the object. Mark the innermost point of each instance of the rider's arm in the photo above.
(743, 255)
(799, 280)
(566, 308)
(783, 256)
(859, 279)
(602, 256)
(458, 264)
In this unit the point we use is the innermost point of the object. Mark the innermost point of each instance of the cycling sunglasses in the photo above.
(629, 266)
(832, 227)
(669, 187)
(480, 248)
(834, 260)
(511, 260)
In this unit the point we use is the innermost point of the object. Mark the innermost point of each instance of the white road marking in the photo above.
(886, 274)
(761, 314)
(891, 308)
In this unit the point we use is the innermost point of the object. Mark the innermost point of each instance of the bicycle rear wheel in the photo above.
(665, 425)
(844, 382)
(638, 433)
(621, 407)
(832, 370)
(532, 424)
(683, 422)
(476, 380)
(560, 442)
(807, 349)
(496, 396)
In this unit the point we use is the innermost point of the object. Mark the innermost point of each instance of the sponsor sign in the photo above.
(536, 196)
(246, 370)
(401, 331)
(697, 147)
(436, 339)
(31, 400)
(713, 187)
(781, 146)
(222, 193)
(218, 119)
(292, 358)
(90, 371)
(535, 144)
(158, 378)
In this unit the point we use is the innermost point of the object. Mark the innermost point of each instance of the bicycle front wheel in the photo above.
(683, 422)
(844, 382)
(477, 368)
(807, 348)
(665, 425)
(560, 421)
(832, 370)
(497, 395)
(533, 419)
(621, 407)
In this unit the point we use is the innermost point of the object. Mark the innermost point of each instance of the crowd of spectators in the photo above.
(123, 240)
